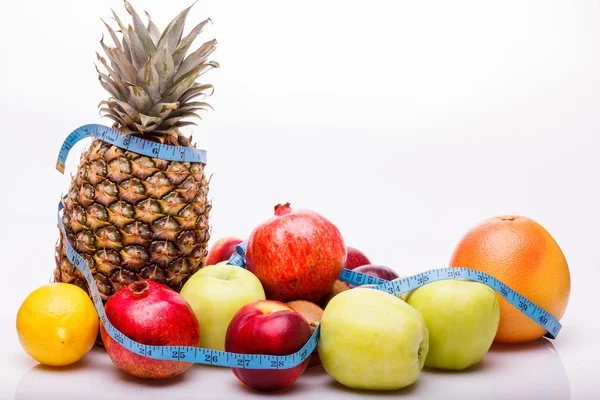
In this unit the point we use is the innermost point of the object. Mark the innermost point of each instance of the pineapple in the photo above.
(133, 217)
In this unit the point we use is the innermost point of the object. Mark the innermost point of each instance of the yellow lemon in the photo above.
(57, 324)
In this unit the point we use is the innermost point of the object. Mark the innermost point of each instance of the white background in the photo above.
(403, 122)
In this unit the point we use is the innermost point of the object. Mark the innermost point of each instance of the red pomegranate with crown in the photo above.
(296, 254)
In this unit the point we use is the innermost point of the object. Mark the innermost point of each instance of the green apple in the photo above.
(372, 340)
(216, 293)
(462, 317)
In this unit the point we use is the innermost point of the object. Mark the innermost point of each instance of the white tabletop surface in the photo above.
(403, 122)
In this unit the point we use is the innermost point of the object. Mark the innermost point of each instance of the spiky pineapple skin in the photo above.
(133, 217)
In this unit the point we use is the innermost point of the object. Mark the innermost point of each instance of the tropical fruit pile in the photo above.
(141, 225)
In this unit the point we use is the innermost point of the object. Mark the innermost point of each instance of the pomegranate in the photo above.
(153, 314)
(296, 254)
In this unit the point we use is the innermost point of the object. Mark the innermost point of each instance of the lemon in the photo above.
(57, 324)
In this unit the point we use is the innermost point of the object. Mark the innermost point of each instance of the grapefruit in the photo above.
(523, 255)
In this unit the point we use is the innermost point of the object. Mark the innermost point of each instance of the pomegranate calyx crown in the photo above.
(139, 288)
(282, 209)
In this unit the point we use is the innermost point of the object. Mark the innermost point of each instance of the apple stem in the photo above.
(282, 209)
(139, 288)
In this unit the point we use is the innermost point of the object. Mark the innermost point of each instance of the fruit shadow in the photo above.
(152, 382)
(82, 364)
(314, 371)
(539, 364)
(156, 383)
(541, 344)
(289, 391)
(87, 372)
(533, 369)
(318, 370)
(36, 376)
(363, 393)
(130, 379)
(483, 365)
(535, 345)
(299, 386)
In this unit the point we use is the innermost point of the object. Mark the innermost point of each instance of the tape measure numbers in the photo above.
(400, 286)
(131, 143)
(255, 361)
(404, 285)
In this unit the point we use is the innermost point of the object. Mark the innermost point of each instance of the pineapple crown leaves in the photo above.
(151, 78)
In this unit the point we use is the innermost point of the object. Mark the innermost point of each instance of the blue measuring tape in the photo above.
(130, 143)
(258, 361)
(401, 286)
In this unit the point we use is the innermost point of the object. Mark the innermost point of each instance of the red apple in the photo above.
(153, 314)
(296, 254)
(222, 250)
(355, 258)
(378, 271)
(272, 328)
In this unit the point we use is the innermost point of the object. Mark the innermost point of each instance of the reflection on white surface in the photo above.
(529, 371)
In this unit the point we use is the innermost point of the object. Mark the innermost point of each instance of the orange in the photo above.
(523, 255)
